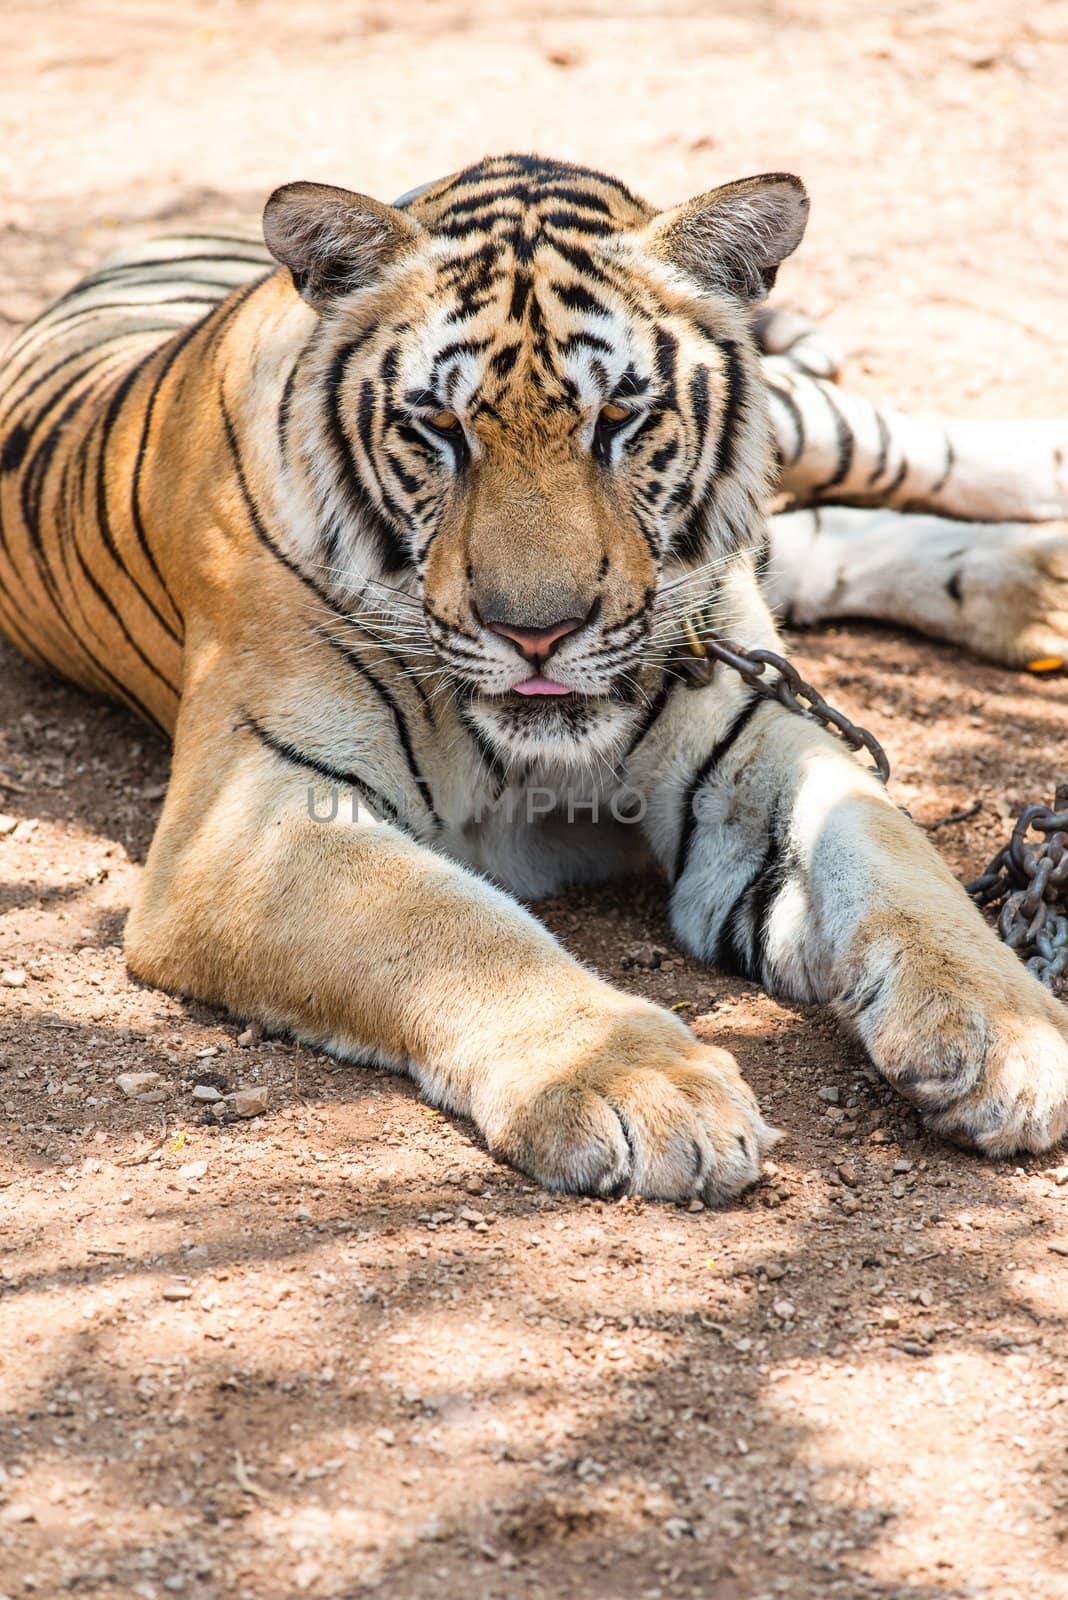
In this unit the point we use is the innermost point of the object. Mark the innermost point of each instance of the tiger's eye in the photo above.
(614, 414)
(444, 421)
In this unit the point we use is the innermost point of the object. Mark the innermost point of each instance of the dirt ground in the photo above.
(337, 1350)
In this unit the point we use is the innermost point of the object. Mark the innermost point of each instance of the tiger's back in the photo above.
(83, 587)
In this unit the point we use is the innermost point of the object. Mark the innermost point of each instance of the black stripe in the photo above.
(662, 457)
(175, 349)
(650, 716)
(741, 721)
(505, 359)
(951, 461)
(111, 416)
(31, 490)
(897, 480)
(884, 449)
(843, 441)
(699, 397)
(521, 287)
(770, 881)
(399, 721)
(741, 938)
(300, 758)
(667, 350)
(150, 263)
(579, 198)
(581, 259)
(734, 376)
(367, 516)
(487, 753)
(573, 220)
(793, 410)
(578, 298)
(14, 632)
(61, 323)
(584, 341)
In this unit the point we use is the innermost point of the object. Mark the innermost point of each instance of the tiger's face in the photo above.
(533, 403)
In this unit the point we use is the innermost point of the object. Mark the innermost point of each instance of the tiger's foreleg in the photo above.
(1000, 589)
(354, 937)
(790, 864)
(836, 445)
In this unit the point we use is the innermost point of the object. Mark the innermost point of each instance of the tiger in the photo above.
(392, 522)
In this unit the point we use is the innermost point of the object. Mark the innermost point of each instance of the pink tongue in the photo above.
(541, 686)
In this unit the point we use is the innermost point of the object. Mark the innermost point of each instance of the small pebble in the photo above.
(252, 1035)
(193, 1169)
(247, 1102)
(18, 1511)
(677, 1527)
(135, 1084)
(647, 956)
(830, 1093)
(784, 1309)
(385, 1436)
(206, 1092)
(177, 1291)
(7, 825)
(902, 1166)
(847, 1173)
(13, 978)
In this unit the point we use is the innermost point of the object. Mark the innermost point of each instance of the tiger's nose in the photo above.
(536, 644)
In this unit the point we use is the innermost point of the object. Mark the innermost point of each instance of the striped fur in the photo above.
(303, 517)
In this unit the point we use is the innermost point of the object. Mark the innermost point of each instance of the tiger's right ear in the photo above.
(333, 241)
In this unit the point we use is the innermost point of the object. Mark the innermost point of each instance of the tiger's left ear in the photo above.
(333, 241)
(732, 240)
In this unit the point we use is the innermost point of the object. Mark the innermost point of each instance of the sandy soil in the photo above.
(337, 1350)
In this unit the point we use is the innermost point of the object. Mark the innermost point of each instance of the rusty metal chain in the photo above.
(1028, 878)
(704, 648)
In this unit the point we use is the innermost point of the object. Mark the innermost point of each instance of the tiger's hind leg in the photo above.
(834, 445)
(998, 588)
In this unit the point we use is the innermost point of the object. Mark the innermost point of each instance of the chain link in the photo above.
(1028, 878)
(704, 648)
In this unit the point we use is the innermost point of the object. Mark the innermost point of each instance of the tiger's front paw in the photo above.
(974, 1041)
(643, 1109)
